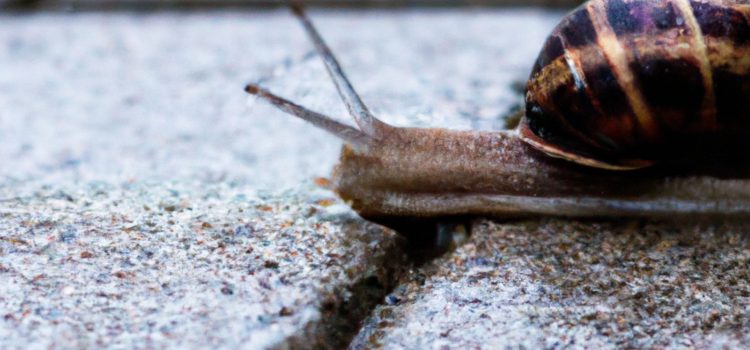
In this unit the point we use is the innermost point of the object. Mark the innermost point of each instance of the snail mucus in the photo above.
(634, 108)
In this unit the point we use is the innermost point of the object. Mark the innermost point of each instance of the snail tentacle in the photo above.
(367, 122)
(347, 133)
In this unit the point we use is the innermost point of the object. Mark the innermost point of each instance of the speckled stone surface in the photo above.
(146, 201)
(560, 284)
(155, 265)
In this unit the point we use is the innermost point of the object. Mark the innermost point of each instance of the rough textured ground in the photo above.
(145, 201)
(558, 284)
(155, 265)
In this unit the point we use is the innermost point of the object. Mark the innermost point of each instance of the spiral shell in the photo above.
(623, 84)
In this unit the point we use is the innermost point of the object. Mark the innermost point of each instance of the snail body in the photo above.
(590, 115)
(628, 83)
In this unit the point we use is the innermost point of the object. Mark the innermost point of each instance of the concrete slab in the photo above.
(145, 201)
(169, 265)
(562, 284)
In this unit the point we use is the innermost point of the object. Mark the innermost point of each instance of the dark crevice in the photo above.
(344, 313)
(429, 238)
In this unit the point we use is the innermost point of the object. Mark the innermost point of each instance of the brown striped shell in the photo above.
(622, 84)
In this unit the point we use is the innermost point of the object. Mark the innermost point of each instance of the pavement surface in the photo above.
(177, 266)
(560, 284)
(146, 201)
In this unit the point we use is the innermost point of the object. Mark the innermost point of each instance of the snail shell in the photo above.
(623, 84)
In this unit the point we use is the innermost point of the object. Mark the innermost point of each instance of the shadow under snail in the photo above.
(634, 108)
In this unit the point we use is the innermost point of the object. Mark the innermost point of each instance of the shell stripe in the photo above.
(607, 97)
(580, 30)
(576, 40)
(619, 60)
(572, 57)
(723, 20)
(605, 100)
(726, 29)
(708, 113)
(557, 78)
(631, 79)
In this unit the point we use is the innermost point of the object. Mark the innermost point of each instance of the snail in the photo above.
(634, 108)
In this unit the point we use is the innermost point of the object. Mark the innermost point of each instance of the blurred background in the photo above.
(208, 4)
(148, 91)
